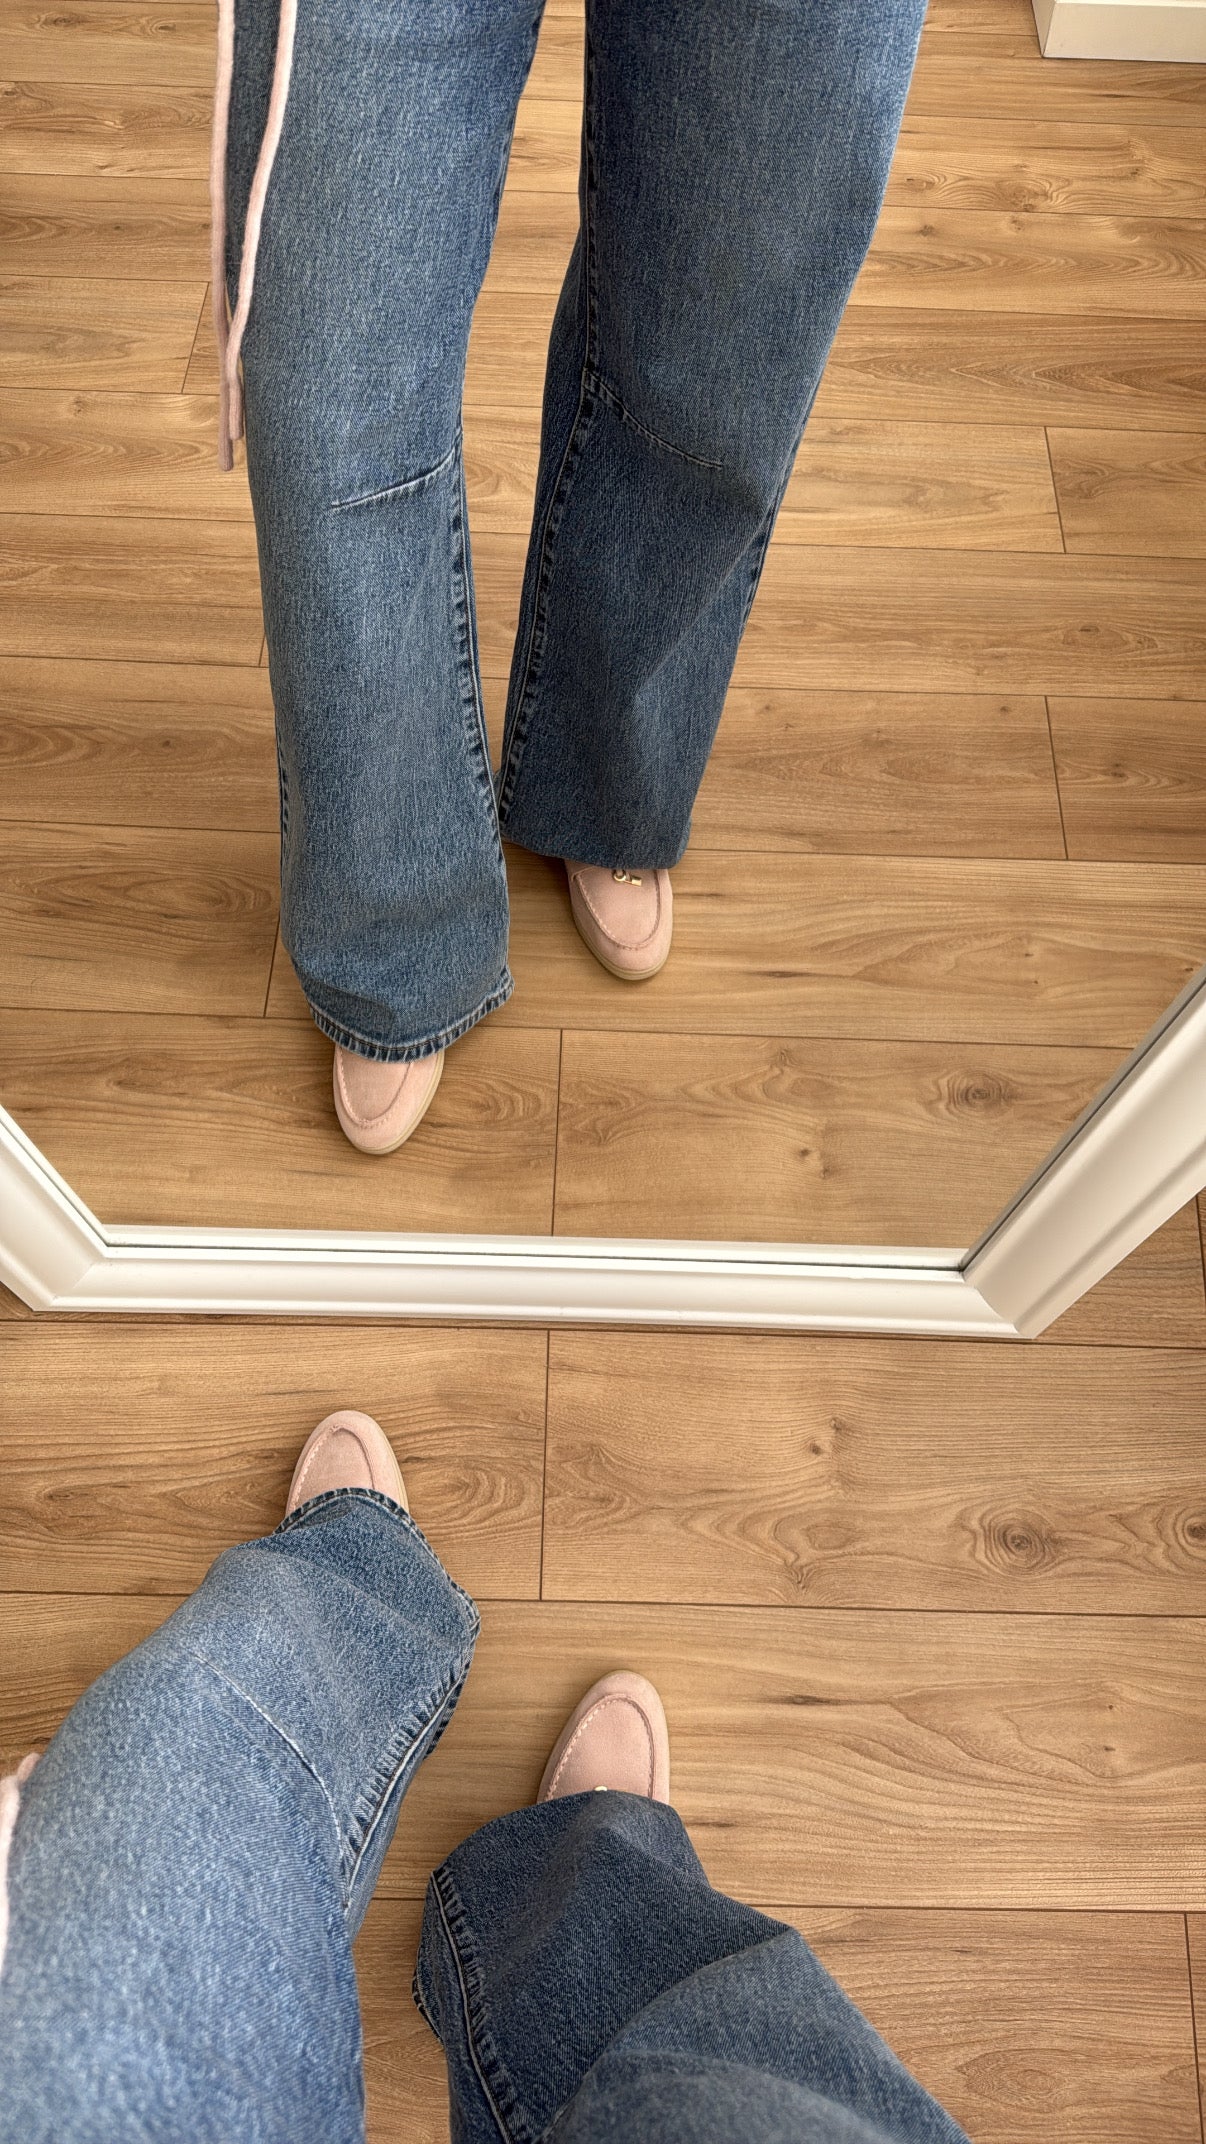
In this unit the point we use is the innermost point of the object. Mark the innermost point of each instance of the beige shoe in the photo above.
(346, 1451)
(380, 1105)
(616, 1738)
(625, 917)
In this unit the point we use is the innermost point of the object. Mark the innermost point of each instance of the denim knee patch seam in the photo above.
(405, 486)
(608, 394)
(286, 1741)
(491, 2071)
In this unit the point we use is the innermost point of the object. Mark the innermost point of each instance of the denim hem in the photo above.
(401, 1053)
(314, 1506)
(492, 2073)
(581, 855)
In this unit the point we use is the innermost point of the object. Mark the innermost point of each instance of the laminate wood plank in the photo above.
(889, 1474)
(129, 589)
(938, 1759)
(905, 774)
(76, 333)
(1030, 2027)
(157, 132)
(982, 25)
(119, 456)
(1132, 778)
(900, 948)
(406, 2088)
(1042, 166)
(1019, 263)
(170, 1444)
(967, 621)
(1136, 92)
(1131, 492)
(229, 1122)
(1091, 2044)
(136, 919)
(764, 1139)
(982, 487)
(107, 230)
(137, 744)
(1154, 1298)
(11, 1305)
(111, 41)
(1047, 367)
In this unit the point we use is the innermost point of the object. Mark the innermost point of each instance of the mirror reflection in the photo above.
(885, 837)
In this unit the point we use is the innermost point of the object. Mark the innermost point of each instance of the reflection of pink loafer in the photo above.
(346, 1451)
(625, 917)
(379, 1105)
(616, 1738)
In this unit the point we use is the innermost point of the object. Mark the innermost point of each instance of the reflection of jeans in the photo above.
(195, 1851)
(735, 154)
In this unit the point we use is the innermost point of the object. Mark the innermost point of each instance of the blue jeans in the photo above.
(195, 1851)
(734, 156)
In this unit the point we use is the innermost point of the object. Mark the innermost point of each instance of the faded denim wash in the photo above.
(734, 157)
(195, 1851)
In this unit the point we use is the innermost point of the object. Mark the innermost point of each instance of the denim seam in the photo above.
(287, 1740)
(405, 487)
(608, 394)
(349, 1038)
(466, 636)
(588, 405)
(405, 1751)
(559, 496)
(490, 2069)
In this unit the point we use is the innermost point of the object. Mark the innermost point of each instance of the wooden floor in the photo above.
(950, 856)
(929, 1617)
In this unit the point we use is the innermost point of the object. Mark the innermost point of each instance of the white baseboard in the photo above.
(1121, 29)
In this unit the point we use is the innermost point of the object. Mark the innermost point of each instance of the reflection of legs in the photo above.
(587, 1982)
(377, 228)
(195, 1850)
(734, 161)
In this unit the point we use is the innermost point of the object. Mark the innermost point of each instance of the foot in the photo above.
(617, 1739)
(346, 1451)
(625, 917)
(380, 1105)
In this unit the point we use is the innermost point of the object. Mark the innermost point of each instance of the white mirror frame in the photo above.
(1132, 1160)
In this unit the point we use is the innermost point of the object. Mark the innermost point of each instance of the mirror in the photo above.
(948, 860)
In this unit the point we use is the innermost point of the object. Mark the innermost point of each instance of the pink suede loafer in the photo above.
(346, 1451)
(625, 917)
(379, 1105)
(617, 1739)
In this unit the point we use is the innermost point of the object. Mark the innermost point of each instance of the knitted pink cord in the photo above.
(229, 339)
(10, 1802)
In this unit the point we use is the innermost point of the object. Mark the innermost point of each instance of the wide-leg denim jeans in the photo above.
(734, 156)
(195, 1851)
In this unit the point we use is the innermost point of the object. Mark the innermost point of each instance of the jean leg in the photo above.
(589, 1985)
(377, 229)
(195, 1850)
(734, 159)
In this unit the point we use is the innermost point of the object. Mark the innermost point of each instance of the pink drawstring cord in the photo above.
(229, 339)
(10, 1802)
